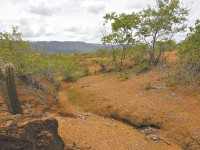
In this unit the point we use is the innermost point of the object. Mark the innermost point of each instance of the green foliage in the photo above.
(190, 50)
(50, 66)
(170, 80)
(116, 55)
(8, 89)
(189, 54)
(13, 48)
(59, 65)
(138, 52)
(29, 64)
(103, 52)
(165, 45)
(142, 67)
(147, 85)
(155, 26)
(122, 34)
(159, 24)
(122, 26)
(12, 44)
(123, 76)
(169, 83)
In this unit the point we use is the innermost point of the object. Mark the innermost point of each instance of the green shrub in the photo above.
(189, 53)
(148, 86)
(123, 76)
(138, 53)
(103, 52)
(170, 80)
(169, 83)
(142, 67)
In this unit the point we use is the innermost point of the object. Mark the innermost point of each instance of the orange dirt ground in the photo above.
(88, 110)
(99, 133)
(173, 109)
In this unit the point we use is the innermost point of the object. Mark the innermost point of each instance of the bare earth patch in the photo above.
(173, 110)
(94, 132)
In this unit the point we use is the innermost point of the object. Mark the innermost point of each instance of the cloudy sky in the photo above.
(70, 20)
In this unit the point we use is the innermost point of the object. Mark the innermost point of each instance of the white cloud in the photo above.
(71, 20)
(44, 8)
(94, 6)
(45, 11)
(137, 5)
(72, 29)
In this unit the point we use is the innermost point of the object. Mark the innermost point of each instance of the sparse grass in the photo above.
(170, 80)
(83, 102)
(169, 83)
(123, 76)
(148, 86)
(110, 99)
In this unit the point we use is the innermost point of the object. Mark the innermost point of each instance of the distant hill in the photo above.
(66, 47)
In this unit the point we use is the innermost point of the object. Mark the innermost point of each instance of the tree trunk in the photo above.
(122, 59)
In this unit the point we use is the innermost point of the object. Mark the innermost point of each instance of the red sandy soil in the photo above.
(93, 132)
(102, 99)
(99, 133)
(175, 110)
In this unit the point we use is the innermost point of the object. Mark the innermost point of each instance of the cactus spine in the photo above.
(8, 89)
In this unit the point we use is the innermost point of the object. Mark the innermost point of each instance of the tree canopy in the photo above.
(161, 23)
(155, 26)
(123, 32)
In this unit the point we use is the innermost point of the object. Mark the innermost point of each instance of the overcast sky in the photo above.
(70, 20)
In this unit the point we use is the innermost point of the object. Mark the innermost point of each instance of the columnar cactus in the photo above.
(8, 89)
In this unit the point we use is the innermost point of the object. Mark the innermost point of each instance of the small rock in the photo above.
(84, 116)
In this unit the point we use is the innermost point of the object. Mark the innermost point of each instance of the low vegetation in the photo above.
(29, 64)
(123, 76)
(189, 53)
(136, 80)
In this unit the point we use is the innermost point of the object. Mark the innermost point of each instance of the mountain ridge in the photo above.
(66, 47)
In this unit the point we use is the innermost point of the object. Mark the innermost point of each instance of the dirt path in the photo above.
(97, 133)
(66, 107)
